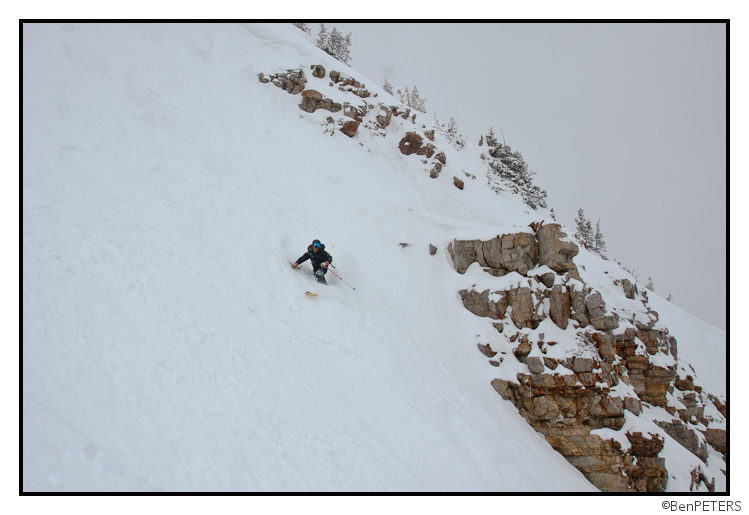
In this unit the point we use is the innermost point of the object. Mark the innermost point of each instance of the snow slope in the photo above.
(167, 344)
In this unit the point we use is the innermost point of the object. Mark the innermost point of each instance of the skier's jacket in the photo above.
(316, 258)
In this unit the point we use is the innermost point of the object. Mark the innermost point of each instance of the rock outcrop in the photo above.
(554, 251)
(291, 81)
(294, 81)
(567, 409)
(413, 143)
(576, 399)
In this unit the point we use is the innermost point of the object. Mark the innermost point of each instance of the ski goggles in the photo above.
(316, 245)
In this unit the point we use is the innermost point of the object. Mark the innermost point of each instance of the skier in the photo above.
(319, 258)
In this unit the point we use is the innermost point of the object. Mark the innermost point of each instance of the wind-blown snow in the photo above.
(168, 345)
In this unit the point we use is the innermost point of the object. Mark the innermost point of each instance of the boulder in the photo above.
(463, 254)
(551, 363)
(716, 438)
(633, 405)
(311, 93)
(686, 384)
(426, 150)
(630, 290)
(686, 436)
(308, 104)
(480, 305)
(579, 311)
(329, 105)
(605, 345)
(547, 279)
(522, 350)
(559, 306)
(318, 71)
(535, 365)
(583, 365)
(410, 144)
(650, 445)
(384, 117)
(503, 388)
(553, 252)
(349, 128)
(458, 183)
(596, 308)
(522, 304)
(510, 252)
(354, 112)
(487, 350)
(292, 81)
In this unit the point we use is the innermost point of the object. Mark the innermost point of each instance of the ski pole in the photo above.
(341, 278)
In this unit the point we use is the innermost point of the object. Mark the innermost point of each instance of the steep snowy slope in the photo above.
(167, 343)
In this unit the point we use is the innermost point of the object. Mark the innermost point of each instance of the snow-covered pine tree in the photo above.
(491, 138)
(584, 234)
(650, 286)
(450, 132)
(413, 99)
(404, 97)
(304, 27)
(323, 39)
(510, 167)
(388, 87)
(452, 127)
(417, 102)
(599, 245)
(345, 51)
(553, 215)
(334, 43)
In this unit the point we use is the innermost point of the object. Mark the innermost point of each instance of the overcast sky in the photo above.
(627, 121)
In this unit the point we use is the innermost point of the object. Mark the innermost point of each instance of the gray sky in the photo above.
(627, 121)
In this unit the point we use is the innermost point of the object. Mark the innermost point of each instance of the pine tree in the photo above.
(417, 102)
(650, 286)
(323, 38)
(334, 43)
(491, 138)
(599, 245)
(344, 53)
(413, 99)
(452, 127)
(450, 131)
(553, 215)
(404, 96)
(514, 173)
(388, 87)
(304, 27)
(669, 298)
(584, 234)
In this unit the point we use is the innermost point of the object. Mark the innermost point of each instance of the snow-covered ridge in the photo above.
(168, 345)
